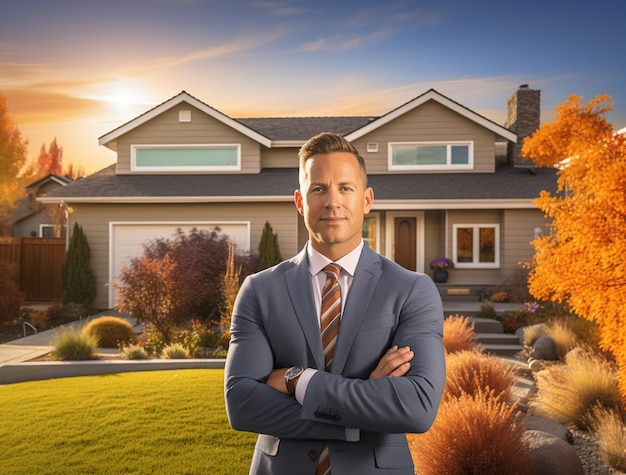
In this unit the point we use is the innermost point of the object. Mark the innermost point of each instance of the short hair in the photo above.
(325, 143)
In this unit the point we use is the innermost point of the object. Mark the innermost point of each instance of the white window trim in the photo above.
(447, 166)
(42, 226)
(135, 167)
(476, 249)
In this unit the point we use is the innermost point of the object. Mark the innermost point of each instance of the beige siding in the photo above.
(166, 129)
(95, 220)
(519, 229)
(286, 157)
(434, 122)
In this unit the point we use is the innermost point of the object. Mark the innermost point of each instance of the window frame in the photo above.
(447, 166)
(476, 264)
(201, 168)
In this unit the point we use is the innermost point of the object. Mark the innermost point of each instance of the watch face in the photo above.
(293, 372)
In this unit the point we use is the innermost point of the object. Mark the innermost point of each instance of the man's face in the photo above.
(333, 200)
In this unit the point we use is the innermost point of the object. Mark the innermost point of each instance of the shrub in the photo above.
(269, 251)
(175, 351)
(110, 330)
(133, 352)
(39, 318)
(77, 277)
(611, 433)
(458, 334)
(11, 299)
(532, 334)
(199, 337)
(569, 392)
(500, 296)
(464, 438)
(487, 311)
(73, 311)
(72, 345)
(177, 280)
(470, 372)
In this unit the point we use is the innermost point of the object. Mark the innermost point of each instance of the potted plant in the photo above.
(440, 267)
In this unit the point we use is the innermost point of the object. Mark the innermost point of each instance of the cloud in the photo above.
(280, 8)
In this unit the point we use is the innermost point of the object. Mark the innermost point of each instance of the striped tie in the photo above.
(330, 317)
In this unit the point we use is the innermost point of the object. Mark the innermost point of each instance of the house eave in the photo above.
(388, 205)
(109, 139)
(450, 104)
(165, 199)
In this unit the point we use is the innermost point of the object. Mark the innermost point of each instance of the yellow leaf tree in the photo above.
(582, 260)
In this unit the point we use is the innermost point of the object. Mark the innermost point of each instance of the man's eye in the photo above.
(346, 188)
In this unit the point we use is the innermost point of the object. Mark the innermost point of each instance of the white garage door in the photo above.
(126, 241)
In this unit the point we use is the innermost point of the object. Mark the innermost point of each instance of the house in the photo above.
(441, 187)
(34, 219)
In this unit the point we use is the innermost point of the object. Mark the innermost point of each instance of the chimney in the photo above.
(522, 117)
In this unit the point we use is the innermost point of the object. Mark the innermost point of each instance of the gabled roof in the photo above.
(432, 95)
(52, 177)
(294, 131)
(109, 140)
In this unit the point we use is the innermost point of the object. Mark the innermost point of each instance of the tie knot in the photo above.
(333, 269)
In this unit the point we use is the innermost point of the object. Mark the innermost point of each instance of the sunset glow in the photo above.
(77, 70)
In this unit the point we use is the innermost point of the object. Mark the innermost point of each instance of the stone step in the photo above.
(486, 325)
(498, 338)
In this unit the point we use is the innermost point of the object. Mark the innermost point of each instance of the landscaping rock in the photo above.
(544, 349)
(552, 455)
(551, 427)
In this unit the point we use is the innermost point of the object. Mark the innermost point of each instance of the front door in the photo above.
(404, 238)
(405, 251)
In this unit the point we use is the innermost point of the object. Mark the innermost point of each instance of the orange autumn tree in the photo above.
(582, 261)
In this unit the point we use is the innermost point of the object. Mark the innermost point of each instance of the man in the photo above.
(347, 401)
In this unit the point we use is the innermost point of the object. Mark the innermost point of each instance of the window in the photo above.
(476, 245)
(47, 231)
(218, 157)
(430, 155)
(370, 230)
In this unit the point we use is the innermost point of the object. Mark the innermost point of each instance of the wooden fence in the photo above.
(35, 265)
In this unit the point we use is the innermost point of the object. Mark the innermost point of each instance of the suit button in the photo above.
(312, 455)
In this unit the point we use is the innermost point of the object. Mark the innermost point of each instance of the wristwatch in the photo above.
(291, 376)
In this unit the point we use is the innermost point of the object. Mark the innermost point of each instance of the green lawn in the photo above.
(157, 422)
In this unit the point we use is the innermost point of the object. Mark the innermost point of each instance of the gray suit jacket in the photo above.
(275, 325)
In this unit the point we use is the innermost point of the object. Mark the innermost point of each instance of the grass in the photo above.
(159, 422)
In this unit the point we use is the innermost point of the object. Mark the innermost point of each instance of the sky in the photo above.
(75, 70)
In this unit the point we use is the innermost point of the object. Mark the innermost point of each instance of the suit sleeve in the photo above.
(391, 404)
(251, 405)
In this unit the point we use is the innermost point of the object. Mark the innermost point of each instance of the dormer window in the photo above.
(186, 158)
(431, 155)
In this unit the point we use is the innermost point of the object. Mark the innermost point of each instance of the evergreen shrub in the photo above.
(110, 331)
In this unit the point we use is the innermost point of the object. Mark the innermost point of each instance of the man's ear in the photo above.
(297, 199)
(369, 199)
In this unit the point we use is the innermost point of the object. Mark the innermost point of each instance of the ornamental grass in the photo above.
(458, 334)
(473, 372)
(473, 434)
(568, 393)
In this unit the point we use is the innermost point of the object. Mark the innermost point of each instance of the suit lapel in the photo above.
(298, 281)
(366, 276)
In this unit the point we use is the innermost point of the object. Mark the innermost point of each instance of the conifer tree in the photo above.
(269, 252)
(77, 277)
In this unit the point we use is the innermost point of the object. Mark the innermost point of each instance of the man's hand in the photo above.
(396, 362)
(276, 380)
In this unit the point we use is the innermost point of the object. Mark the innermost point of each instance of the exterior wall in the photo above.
(286, 157)
(519, 227)
(166, 129)
(429, 122)
(95, 219)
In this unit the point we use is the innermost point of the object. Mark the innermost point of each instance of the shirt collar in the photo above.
(348, 263)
